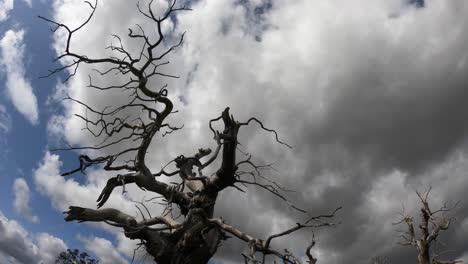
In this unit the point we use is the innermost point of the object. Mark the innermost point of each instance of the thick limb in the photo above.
(145, 182)
(81, 214)
(225, 176)
(157, 243)
(119, 180)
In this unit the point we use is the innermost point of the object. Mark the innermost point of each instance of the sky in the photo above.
(371, 95)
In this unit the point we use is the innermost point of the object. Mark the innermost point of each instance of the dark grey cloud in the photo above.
(386, 107)
(418, 124)
(374, 106)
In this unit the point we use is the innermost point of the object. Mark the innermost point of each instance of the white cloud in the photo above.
(5, 7)
(54, 127)
(15, 241)
(64, 192)
(127, 247)
(17, 245)
(49, 247)
(5, 120)
(21, 201)
(19, 89)
(103, 249)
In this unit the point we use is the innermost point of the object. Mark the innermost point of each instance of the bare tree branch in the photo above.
(432, 223)
(186, 231)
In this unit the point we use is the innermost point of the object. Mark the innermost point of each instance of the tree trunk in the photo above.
(194, 243)
(423, 253)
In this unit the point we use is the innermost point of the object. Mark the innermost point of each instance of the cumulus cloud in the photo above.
(15, 242)
(103, 249)
(64, 192)
(18, 87)
(373, 103)
(21, 201)
(5, 7)
(17, 245)
(49, 247)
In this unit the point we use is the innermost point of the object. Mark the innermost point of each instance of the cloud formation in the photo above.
(18, 87)
(103, 249)
(49, 247)
(5, 7)
(63, 192)
(21, 201)
(374, 105)
(17, 245)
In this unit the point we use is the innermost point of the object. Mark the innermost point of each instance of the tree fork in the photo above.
(195, 238)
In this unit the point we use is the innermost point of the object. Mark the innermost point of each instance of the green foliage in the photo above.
(75, 257)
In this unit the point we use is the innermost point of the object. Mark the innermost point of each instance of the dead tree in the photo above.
(379, 260)
(194, 236)
(432, 222)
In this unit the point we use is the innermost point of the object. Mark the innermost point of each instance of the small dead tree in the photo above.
(432, 222)
(193, 236)
(379, 260)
